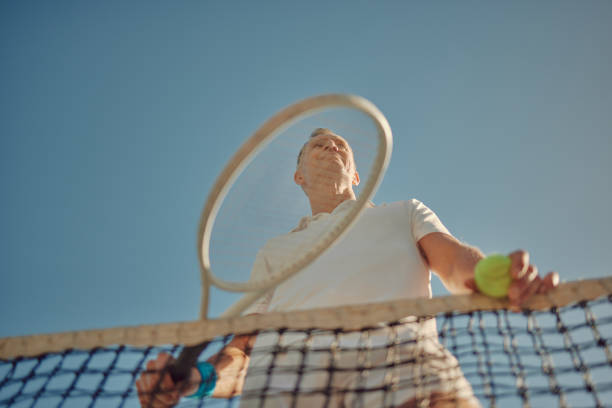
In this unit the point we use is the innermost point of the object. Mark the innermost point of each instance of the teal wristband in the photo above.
(209, 380)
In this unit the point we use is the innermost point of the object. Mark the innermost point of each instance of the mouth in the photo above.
(334, 156)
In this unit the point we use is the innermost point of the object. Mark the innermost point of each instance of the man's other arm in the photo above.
(231, 364)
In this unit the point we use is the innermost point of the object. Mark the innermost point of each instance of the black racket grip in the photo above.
(180, 370)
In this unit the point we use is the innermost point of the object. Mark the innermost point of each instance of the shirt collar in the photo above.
(340, 208)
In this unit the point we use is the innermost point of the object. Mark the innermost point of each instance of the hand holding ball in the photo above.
(492, 275)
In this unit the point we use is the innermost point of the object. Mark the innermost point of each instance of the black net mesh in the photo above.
(560, 357)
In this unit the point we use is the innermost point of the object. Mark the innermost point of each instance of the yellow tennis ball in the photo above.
(492, 275)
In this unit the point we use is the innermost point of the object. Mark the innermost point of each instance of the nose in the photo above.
(330, 145)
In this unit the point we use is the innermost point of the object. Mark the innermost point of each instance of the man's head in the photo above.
(326, 158)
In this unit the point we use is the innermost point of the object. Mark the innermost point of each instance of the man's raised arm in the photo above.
(454, 262)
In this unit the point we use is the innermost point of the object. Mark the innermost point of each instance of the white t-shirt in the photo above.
(377, 260)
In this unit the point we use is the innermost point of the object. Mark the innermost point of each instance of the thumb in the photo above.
(471, 284)
(164, 359)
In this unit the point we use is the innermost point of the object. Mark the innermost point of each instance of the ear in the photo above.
(356, 179)
(298, 178)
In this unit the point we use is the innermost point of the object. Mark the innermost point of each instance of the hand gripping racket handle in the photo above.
(180, 370)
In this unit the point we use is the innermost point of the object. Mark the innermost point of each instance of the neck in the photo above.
(328, 201)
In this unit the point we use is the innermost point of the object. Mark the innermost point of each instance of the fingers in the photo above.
(143, 395)
(526, 279)
(154, 390)
(520, 263)
(522, 289)
(550, 281)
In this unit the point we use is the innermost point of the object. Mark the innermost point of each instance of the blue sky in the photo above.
(116, 117)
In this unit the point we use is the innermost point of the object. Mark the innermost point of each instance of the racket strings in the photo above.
(264, 202)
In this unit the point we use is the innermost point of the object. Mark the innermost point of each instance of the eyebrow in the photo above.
(335, 138)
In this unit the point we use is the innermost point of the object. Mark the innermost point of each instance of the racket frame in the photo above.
(245, 154)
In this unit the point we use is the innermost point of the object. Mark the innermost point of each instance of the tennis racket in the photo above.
(255, 199)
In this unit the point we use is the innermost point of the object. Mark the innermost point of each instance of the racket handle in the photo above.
(180, 370)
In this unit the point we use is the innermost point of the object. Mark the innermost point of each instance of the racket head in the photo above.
(314, 111)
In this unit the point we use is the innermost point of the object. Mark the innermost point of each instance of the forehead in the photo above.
(326, 136)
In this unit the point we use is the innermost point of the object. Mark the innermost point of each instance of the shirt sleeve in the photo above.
(260, 270)
(423, 220)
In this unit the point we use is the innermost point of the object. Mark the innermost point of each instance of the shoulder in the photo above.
(409, 205)
(276, 242)
(416, 214)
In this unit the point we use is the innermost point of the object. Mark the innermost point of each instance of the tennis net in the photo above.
(555, 351)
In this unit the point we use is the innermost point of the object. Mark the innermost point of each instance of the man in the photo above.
(400, 241)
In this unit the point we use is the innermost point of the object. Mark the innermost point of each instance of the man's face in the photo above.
(326, 157)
